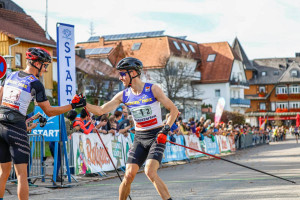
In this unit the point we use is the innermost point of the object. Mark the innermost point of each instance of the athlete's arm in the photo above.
(109, 106)
(167, 103)
(53, 111)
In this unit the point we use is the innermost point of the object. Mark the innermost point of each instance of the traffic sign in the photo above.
(3, 67)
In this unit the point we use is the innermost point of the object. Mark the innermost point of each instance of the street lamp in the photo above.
(8, 59)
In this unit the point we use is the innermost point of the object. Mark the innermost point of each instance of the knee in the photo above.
(151, 174)
(128, 178)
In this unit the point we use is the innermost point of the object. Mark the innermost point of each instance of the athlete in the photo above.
(143, 100)
(16, 92)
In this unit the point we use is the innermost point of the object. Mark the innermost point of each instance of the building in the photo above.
(18, 32)
(170, 62)
(222, 75)
(274, 91)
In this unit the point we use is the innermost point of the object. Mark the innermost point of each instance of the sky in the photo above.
(265, 28)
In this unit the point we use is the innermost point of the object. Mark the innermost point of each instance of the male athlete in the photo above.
(143, 100)
(16, 92)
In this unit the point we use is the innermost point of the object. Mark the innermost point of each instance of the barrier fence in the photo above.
(86, 153)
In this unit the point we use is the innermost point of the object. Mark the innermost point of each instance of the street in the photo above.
(209, 178)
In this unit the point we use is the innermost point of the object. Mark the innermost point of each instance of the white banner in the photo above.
(223, 143)
(193, 142)
(90, 155)
(66, 63)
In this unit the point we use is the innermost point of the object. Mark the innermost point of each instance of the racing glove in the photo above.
(78, 101)
(162, 135)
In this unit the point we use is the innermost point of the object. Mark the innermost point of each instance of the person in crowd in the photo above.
(16, 93)
(297, 133)
(184, 128)
(118, 117)
(79, 121)
(143, 100)
(102, 124)
(69, 120)
(112, 125)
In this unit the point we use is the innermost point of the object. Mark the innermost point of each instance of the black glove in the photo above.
(43, 121)
(165, 130)
(78, 101)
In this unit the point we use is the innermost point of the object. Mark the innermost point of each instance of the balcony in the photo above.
(239, 84)
(240, 103)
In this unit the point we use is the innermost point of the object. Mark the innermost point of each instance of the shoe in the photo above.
(32, 185)
(59, 179)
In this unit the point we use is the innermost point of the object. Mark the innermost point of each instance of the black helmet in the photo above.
(38, 54)
(130, 63)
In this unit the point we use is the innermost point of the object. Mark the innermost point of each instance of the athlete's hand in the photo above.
(161, 138)
(78, 101)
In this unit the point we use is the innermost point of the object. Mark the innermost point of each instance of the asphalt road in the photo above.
(209, 179)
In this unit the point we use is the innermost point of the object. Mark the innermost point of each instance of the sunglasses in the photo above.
(124, 73)
(45, 65)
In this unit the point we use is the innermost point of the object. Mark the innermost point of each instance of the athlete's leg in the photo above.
(151, 168)
(4, 174)
(124, 189)
(23, 188)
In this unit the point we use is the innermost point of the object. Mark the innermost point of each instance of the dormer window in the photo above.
(2, 5)
(294, 73)
(136, 46)
(184, 47)
(192, 48)
(176, 45)
(263, 73)
(276, 73)
(211, 58)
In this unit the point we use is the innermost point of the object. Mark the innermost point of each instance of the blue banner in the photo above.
(210, 146)
(174, 152)
(51, 130)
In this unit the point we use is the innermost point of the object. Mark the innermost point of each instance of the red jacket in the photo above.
(78, 121)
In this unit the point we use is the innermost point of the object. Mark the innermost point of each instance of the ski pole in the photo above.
(231, 162)
(106, 151)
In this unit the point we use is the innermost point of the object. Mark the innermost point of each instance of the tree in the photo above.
(175, 78)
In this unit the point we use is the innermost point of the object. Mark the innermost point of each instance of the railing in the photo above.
(240, 101)
(238, 83)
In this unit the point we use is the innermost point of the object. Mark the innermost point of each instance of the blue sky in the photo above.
(265, 28)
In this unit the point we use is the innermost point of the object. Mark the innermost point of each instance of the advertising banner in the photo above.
(211, 147)
(192, 141)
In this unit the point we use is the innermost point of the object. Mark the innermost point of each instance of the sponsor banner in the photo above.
(211, 147)
(90, 155)
(223, 143)
(51, 130)
(174, 152)
(192, 141)
(231, 142)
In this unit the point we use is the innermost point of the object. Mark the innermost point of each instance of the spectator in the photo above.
(102, 124)
(69, 120)
(183, 127)
(85, 128)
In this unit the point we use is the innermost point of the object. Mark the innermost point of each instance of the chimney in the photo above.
(297, 54)
(101, 41)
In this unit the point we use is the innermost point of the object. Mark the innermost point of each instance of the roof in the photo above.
(272, 75)
(289, 77)
(95, 67)
(238, 49)
(19, 25)
(153, 51)
(219, 70)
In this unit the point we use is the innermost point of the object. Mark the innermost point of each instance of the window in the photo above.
(184, 47)
(281, 90)
(2, 5)
(262, 89)
(136, 46)
(192, 48)
(263, 73)
(217, 93)
(262, 106)
(281, 105)
(211, 58)
(294, 105)
(18, 60)
(294, 73)
(294, 89)
(176, 45)
(276, 73)
(200, 75)
(273, 106)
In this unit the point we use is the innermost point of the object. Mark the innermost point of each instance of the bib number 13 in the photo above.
(142, 112)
